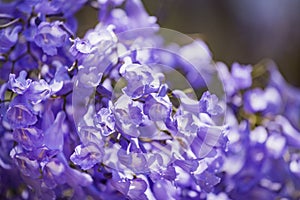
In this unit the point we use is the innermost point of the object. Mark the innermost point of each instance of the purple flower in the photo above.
(8, 38)
(197, 53)
(19, 116)
(241, 75)
(128, 115)
(276, 145)
(209, 104)
(90, 77)
(133, 161)
(105, 121)
(187, 165)
(168, 173)
(164, 189)
(187, 104)
(187, 124)
(137, 137)
(96, 47)
(157, 108)
(53, 173)
(206, 180)
(288, 130)
(56, 172)
(130, 188)
(90, 134)
(295, 165)
(50, 36)
(26, 6)
(29, 138)
(38, 91)
(61, 81)
(81, 46)
(54, 135)
(141, 80)
(19, 85)
(259, 134)
(122, 185)
(86, 156)
(133, 16)
(28, 167)
(208, 138)
(26, 62)
(227, 79)
(265, 101)
(67, 8)
(137, 189)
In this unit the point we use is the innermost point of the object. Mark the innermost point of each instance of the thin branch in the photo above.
(10, 23)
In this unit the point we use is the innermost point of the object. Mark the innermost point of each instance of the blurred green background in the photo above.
(245, 31)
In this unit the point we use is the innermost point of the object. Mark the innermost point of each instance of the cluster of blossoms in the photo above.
(114, 115)
(262, 160)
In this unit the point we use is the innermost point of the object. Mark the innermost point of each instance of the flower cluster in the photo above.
(154, 139)
(127, 112)
(263, 115)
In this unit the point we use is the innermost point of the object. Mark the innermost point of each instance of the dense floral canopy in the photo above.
(129, 112)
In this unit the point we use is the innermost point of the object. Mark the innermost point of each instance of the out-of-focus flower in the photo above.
(50, 36)
(9, 37)
(259, 139)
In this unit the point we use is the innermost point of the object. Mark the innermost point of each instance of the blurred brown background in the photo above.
(245, 31)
